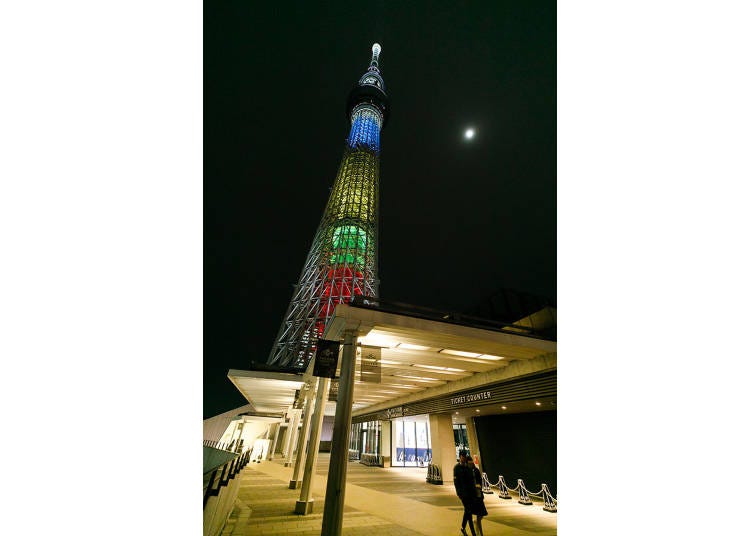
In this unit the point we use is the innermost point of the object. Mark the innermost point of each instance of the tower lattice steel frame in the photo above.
(343, 260)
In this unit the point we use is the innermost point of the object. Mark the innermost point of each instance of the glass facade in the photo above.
(410, 440)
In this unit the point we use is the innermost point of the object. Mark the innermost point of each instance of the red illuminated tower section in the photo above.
(342, 262)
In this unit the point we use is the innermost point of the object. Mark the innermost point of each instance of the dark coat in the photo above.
(477, 506)
(463, 480)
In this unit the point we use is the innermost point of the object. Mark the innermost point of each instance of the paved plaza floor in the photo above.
(391, 502)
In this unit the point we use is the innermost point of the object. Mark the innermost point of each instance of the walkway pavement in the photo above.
(389, 502)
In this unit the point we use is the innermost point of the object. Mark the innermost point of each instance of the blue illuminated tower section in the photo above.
(343, 259)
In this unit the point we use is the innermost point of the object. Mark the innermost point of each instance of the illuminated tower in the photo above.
(343, 259)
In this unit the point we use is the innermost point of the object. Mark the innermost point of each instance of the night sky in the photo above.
(458, 220)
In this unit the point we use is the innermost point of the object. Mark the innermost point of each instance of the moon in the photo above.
(469, 133)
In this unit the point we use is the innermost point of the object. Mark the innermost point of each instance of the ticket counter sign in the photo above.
(326, 359)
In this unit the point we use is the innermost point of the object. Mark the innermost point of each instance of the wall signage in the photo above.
(394, 412)
(471, 397)
(539, 385)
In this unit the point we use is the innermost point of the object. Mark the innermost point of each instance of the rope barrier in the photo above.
(550, 503)
(523, 493)
(502, 488)
(486, 484)
(503, 492)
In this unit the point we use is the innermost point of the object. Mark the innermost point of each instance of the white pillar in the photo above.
(443, 445)
(305, 503)
(293, 435)
(288, 434)
(295, 482)
(333, 513)
(385, 442)
(275, 439)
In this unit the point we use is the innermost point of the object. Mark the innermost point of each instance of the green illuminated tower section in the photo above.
(343, 260)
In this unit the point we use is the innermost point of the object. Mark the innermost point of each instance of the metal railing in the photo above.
(228, 471)
(227, 447)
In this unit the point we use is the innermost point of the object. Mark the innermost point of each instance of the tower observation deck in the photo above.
(343, 259)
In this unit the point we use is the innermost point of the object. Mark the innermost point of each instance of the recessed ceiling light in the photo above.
(458, 353)
(407, 346)
(538, 403)
(377, 339)
(503, 407)
(441, 369)
(456, 413)
(476, 410)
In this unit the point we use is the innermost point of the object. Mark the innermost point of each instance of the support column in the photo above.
(287, 434)
(293, 435)
(333, 513)
(305, 503)
(275, 439)
(443, 445)
(385, 442)
(295, 482)
(471, 432)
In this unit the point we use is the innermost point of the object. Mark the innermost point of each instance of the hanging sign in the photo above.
(326, 359)
(333, 391)
(370, 364)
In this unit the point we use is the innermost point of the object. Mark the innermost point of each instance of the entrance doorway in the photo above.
(411, 442)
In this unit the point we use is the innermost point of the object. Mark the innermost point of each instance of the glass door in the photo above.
(410, 437)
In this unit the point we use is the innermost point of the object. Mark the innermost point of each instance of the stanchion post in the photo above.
(549, 501)
(523, 494)
(502, 491)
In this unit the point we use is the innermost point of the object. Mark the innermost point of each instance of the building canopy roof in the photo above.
(416, 356)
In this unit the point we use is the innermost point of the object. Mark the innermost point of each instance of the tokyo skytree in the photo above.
(343, 259)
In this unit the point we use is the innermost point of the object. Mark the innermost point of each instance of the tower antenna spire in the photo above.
(376, 48)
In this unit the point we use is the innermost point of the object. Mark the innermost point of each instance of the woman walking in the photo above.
(477, 504)
(463, 480)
